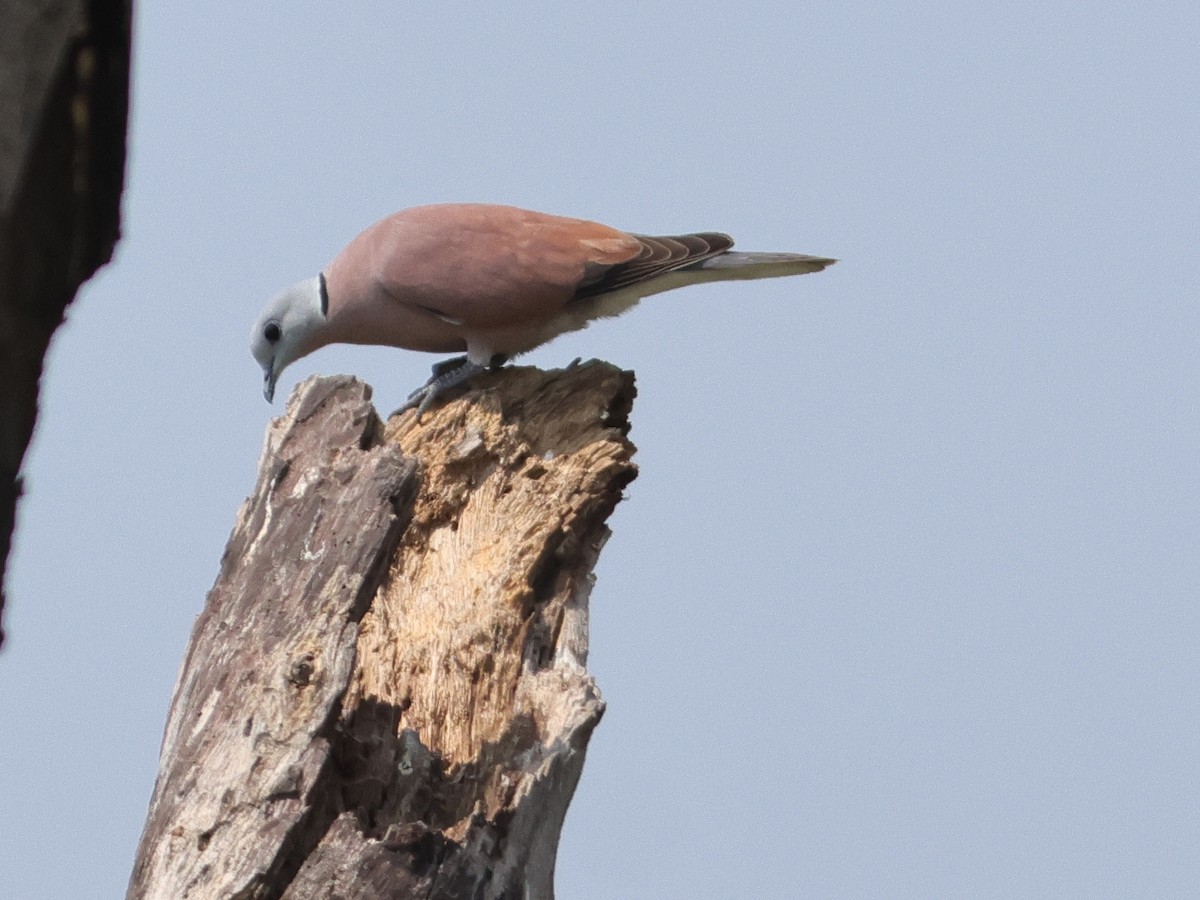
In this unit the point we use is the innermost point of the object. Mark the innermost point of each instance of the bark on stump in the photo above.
(386, 693)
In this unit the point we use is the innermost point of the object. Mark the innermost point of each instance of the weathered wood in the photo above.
(247, 739)
(64, 98)
(386, 694)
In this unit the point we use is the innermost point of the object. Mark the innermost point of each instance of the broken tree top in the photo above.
(386, 692)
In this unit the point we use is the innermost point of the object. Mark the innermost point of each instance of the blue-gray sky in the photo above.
(904, 602)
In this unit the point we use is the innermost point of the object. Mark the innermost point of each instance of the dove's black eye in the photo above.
(271, 331)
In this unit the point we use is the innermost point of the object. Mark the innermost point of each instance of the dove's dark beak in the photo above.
(269, 381)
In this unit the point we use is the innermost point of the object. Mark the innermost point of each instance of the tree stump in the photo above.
(386, 692)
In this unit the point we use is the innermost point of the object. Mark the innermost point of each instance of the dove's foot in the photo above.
(447, 373)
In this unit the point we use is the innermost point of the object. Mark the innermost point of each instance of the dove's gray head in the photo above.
(289, 328)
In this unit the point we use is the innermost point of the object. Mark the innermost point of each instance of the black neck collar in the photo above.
(324, 295)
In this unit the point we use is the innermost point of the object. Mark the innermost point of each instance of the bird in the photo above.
(489, 282)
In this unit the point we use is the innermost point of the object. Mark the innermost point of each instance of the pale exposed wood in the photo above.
(385, 695)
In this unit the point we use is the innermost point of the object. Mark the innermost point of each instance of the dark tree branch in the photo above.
(64, 98)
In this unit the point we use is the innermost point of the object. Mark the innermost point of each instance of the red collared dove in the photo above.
(493, 281)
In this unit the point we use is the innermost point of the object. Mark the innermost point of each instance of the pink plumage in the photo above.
(493, 281)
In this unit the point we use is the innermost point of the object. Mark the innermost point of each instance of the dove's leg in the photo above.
(441, 367)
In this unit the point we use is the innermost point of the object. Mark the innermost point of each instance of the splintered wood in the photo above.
(469, 627)
(479, 633)
(386, 693)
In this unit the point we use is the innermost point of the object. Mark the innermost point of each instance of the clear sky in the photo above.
(905, 601)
